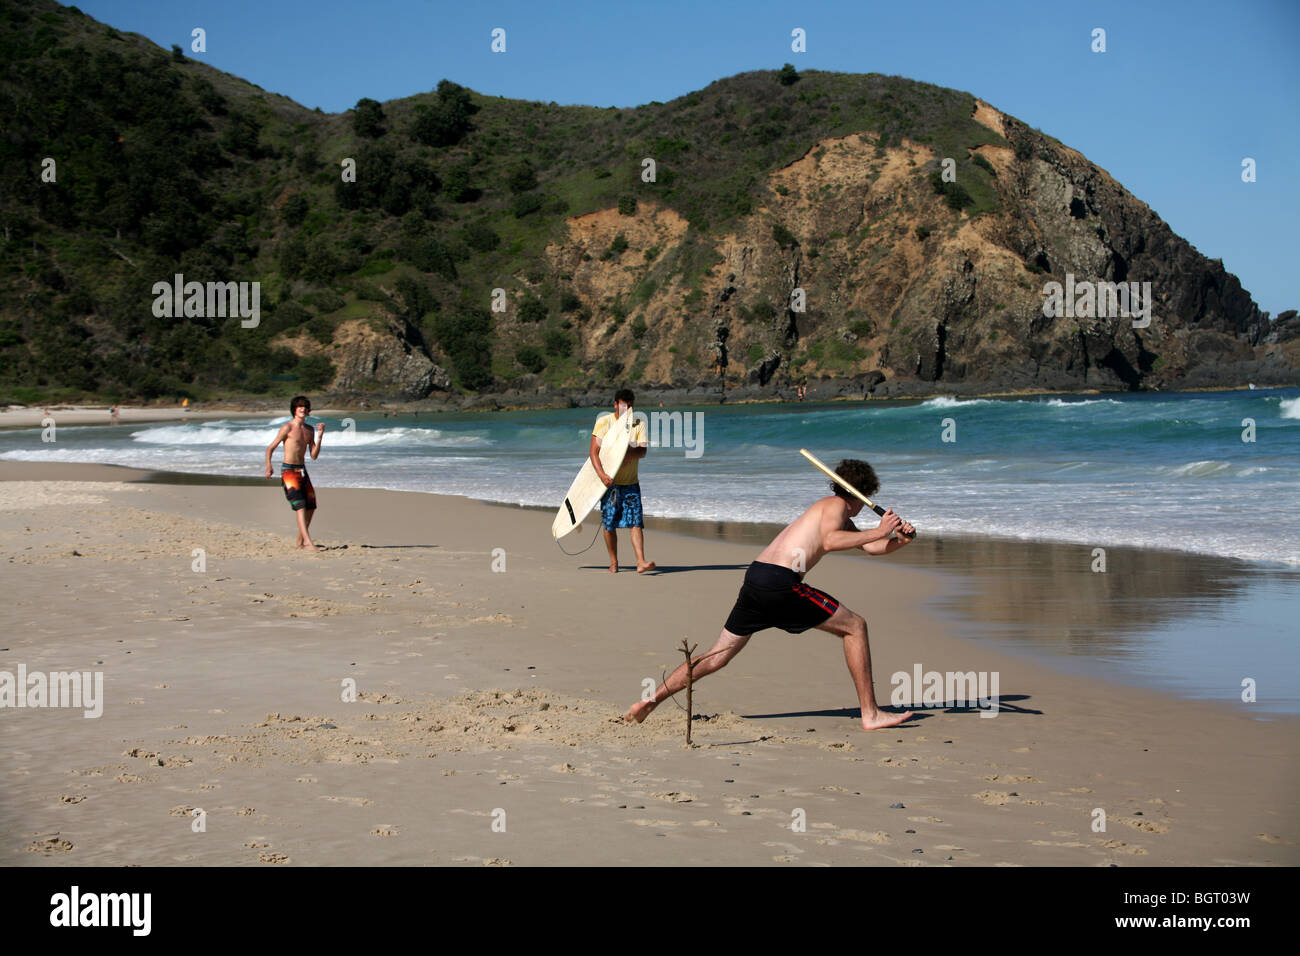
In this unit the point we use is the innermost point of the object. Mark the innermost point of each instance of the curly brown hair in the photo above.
(859, 474)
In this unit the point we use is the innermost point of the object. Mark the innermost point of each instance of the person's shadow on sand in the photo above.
(927, 710)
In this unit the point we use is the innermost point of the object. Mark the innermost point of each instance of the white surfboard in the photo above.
(587, 489)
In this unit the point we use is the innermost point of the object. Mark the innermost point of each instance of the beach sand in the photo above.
(485, 727)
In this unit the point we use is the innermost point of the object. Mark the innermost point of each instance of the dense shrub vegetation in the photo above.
(162, 165)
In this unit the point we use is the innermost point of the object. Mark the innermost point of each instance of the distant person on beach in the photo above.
(621, 505)
(298, 438)
(113, 415)
(774, 594)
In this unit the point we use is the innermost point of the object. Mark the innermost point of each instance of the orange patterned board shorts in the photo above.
(297, 487)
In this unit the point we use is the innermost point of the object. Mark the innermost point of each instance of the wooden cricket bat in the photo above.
(846, 486)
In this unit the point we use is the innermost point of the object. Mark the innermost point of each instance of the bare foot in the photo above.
(643, 568)
(613, 568)
(639, 711)
(311, 546)
(881, 719)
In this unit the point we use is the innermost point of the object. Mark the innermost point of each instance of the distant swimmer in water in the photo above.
(298, 439)
(774, 594)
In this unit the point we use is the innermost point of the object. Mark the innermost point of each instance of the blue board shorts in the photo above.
(621, 507)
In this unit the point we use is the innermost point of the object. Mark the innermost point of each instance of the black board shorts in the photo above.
(773, 596)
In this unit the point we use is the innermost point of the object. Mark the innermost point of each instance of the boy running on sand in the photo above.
(298, 438)
(773, 594)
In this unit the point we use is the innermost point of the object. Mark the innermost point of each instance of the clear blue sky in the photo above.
(1185, 90)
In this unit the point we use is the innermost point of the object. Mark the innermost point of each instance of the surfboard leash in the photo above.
(574, 554)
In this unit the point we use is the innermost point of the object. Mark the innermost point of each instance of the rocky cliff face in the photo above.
(377, 354)
(856, 270)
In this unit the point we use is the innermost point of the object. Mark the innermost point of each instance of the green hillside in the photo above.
(167, 166)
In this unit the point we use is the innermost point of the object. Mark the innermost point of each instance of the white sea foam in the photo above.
(1199, 469)
(343, 437)
(945, 401)
(1290, 408)
(1067, 403)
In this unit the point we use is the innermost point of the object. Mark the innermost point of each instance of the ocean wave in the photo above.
(342, 438)
(76, 455)
(944, 401)
(1199, 469)
(1067, 403)
(1290, 408)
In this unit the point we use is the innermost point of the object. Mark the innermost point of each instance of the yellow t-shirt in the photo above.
(627, 471)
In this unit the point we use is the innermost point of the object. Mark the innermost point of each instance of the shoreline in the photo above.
(480, 692)
(973, 569)
(670, 523)
(15, 417)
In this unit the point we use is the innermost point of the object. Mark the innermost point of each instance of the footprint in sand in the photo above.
(995, 798)
(129, 778)
(350, 801)
(1148, 826)
(272, 858)
(384, 829)
(675, 796)
(72, 798)
(1123, 847)
(861, 836)
(50, 845)
(790, 849)
(1010, 778)
(304, 780)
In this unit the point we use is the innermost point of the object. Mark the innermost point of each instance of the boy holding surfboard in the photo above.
(774, 594)
(621, 505)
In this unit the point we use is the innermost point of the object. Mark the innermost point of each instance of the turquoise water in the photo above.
(1164, 471)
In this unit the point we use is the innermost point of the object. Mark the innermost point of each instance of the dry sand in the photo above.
(485, 727)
